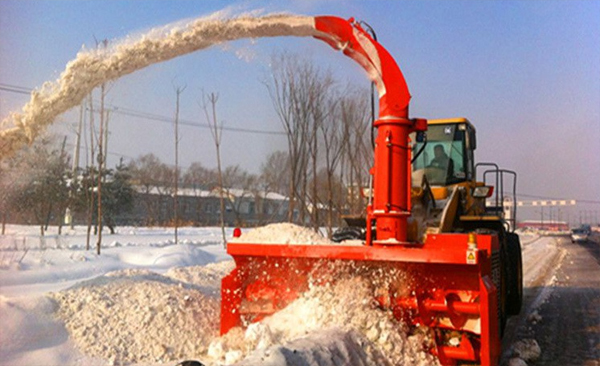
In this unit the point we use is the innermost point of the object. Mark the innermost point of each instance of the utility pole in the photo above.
(91, 178)
(75, 166)
(178, 91)
(216, 132)
(100, 167)
(101, 157)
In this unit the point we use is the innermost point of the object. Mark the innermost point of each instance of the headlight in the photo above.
(483, 192)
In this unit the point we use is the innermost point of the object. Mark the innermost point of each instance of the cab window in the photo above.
(443, 159)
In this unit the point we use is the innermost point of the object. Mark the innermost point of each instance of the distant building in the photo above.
(198, 207)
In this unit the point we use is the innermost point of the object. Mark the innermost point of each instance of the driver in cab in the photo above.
(442, 161)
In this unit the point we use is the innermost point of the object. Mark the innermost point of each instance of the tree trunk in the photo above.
(100, 168)
(90, 188)
(178, 91)
(216, 134)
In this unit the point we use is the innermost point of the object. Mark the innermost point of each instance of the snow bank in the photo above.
(173, 255)
(282, 233)
(25, 264)
(139, 316)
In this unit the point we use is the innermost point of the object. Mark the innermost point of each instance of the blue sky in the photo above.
(526, 73)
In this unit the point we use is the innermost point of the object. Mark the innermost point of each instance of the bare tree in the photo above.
(216, 131)
(91, 165)
(151, 176)
(178, 92)
(298, 89)
(241, 188)
(101, 155)
(274, 174)
(101, 162)
(335, 134)
(358, 154)
(42, 192)
(11, 180)
(199, 179)
(75, 167)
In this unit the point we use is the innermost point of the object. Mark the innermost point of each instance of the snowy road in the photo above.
(561, 308)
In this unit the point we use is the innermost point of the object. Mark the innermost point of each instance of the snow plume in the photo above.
(91, 68)
(335, 324)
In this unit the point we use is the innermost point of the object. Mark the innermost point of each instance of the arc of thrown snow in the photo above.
(92, 68)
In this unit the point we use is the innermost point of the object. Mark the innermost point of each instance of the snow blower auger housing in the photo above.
(454, 278)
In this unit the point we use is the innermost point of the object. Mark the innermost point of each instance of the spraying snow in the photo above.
(91, 68)
(365, 334)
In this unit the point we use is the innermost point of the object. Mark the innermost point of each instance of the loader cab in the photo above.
(445, 154)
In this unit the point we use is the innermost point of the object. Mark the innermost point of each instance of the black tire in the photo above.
(348, 233)
(190, 363)
(504, 283)
(514, 296)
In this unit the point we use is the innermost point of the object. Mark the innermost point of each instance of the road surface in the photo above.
(561, 308)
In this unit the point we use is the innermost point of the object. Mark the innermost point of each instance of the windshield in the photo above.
(442, 159)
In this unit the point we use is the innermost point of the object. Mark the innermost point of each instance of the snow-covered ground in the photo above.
(51, 286)
(148, 301)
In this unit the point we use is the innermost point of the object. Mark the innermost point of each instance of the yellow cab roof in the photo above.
(446, 121)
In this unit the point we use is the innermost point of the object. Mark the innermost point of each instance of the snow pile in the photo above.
(332, 347)
(139, 316)
(282, 233)
(207, 278)
(366, 335)
(91, 68)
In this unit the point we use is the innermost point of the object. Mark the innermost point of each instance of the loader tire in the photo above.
(190, 363)
(514, 298)
(349, 233)
(504, 281)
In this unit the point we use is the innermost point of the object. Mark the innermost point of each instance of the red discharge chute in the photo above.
(391, 201)
(348, 36)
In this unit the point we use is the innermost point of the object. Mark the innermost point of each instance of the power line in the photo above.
(149, 116)
(15, 89)
(163, 119)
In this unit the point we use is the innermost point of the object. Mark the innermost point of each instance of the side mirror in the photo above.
(421, 136)
(472, 140)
